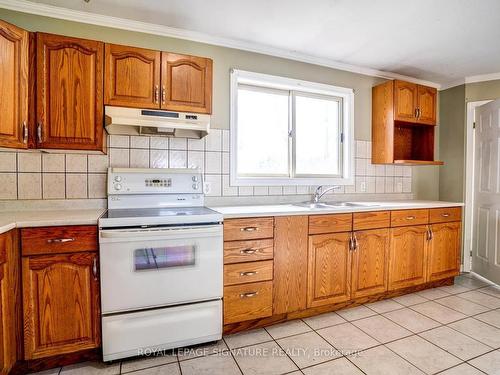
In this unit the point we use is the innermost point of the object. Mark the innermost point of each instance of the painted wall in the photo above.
(453, 117)
(425, 179)
(451, 143)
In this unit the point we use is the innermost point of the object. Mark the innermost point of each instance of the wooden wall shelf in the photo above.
(403, 124)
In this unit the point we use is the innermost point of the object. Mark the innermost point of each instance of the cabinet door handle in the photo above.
(351, 243)
(25, 132)
(39, 132)
(163, 95)
(248, 251)
(249, 273)
(94, 268)
(355, 242)
(60, 240)
(416, 112)
(410, 218)
(249, 295)
(157, 94)
(431, 235)
(249, 229)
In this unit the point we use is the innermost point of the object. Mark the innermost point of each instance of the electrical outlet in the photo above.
(363, 186)
(207, 187)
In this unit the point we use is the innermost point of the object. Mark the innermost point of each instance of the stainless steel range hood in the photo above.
(133, 121)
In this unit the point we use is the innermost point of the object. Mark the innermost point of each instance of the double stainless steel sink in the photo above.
(333, 205)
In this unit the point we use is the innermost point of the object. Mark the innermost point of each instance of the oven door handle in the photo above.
(162, 233)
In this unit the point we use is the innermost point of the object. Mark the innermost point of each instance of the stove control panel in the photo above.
(154, 181)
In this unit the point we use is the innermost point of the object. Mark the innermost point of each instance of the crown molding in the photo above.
(482, 78)
(451, 84)
(149, 28)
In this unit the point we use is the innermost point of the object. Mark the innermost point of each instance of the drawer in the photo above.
(248, 229)
(442, 215)
(248, 251)
(319, 224)
(241, 273)
(248, 301)
(409, 217)
(371, 220)
(58, 240)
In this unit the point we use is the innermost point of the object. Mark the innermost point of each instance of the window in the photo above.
(289, 132)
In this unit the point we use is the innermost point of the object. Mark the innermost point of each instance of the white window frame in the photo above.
(302, 87)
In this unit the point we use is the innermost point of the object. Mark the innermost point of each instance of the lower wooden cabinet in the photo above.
(408, 256)
(290, 260)
(369, 262)
(329, 269)
(444, 251)
(10, 301)
(61, 304)
(248, 301)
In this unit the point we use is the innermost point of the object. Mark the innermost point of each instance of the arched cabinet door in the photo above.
(61, 304)
(132, 77)
(69, 93)
(405, 101)
(13, 86)
(186, 83)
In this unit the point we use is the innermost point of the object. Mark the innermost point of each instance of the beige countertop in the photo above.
(42, 218)
(230, 212)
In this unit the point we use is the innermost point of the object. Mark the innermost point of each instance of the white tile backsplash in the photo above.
(54, 185)
(29, 162)
(139, 158)
(53, 163)
(177, 159)
(29, 186)
(35, 175)
(8, 187)
(76, 163)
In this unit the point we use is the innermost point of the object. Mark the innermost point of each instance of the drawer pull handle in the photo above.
(60, 240)
(410, 218)
(445, 215)
(249, 295)
(249, 273)
(249, 251)
(249, 229)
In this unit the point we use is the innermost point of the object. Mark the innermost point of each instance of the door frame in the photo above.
(469, 183)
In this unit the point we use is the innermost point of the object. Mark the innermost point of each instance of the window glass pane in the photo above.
(262, 132)
(317, 133)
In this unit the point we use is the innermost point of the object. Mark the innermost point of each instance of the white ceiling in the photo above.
(442, 41)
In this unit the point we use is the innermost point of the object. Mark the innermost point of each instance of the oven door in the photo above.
(145, 268)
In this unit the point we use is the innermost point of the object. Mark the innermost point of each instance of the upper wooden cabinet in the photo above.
(61, 304)
(69, 93)
(405, 101)
(414, 103)
(132, 76)
(13, 86)
(403, 119)
(142, 78)
(426, 105)
(186, 83)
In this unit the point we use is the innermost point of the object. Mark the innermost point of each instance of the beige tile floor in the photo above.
(448, 330)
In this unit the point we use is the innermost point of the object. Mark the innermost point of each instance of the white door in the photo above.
(486, 233)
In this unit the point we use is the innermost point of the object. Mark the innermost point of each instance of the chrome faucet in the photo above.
(320, 192)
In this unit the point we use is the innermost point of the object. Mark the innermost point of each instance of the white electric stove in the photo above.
(161, 262)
